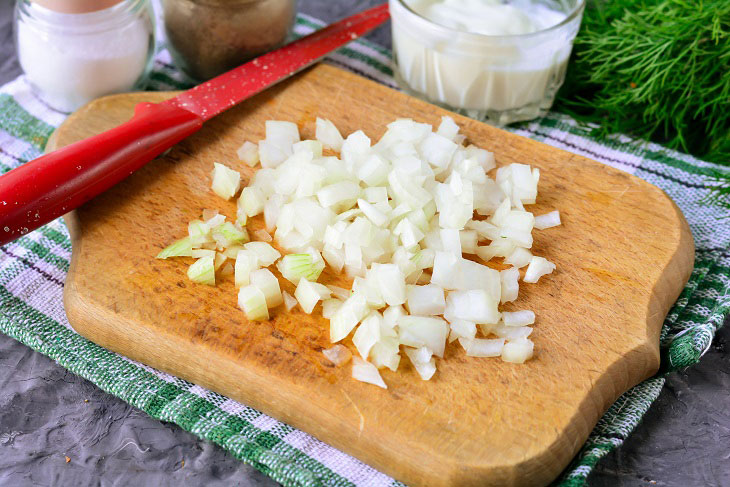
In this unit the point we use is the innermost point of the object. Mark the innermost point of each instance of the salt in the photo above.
(72, 58)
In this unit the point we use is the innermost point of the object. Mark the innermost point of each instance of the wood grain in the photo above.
(623, 254)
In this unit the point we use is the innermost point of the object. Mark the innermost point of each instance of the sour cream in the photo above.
(502, 61)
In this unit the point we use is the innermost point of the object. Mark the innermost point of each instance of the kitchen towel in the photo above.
(33, 270)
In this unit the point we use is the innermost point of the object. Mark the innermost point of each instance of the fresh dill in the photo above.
(655, 69)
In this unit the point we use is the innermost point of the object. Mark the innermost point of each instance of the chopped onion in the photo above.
(246, 263)
(347, 316)
(338, 355)
(227, 269)
(203, 271)
(248, 153)
(289, 300)
(253, 302)
(367, 334)
(366, 372)
(539, 266)
(199, 233)
(462, 329)
(392, 283)
(179, 248)
(329, 306)
(519, 258)
(339, 292)
(518, 318)
(418, 331)
(518, 351)
(385, 353)
(483, 347)
(309, 293)
(251, 201)
(425, 368)
(509, 279)
(228, 234)
(425, 300)
(327, 133)
(226, 181)
(473, 305)
(265, 253)
(547, 220)
(200, 253)
(397, 217)
(512, 332)
(263, 235)
(269, 285)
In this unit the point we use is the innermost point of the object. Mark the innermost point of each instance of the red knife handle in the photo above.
(48, 187)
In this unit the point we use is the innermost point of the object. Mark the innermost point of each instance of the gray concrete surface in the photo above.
(48, 414)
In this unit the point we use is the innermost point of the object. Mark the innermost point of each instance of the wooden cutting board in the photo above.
(623, 254)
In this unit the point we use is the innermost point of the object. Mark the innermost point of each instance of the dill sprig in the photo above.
(656, 69)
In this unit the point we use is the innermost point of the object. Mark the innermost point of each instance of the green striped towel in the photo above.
(33, 270)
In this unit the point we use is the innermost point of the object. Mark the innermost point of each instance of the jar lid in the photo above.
(76, 6)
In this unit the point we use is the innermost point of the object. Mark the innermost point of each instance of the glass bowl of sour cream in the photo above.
(501, 61)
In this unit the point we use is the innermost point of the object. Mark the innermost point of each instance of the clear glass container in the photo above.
(497, 78)
(71, 56)
(209, 37)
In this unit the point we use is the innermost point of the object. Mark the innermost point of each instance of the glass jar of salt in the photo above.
(498, 60)
(73, 51)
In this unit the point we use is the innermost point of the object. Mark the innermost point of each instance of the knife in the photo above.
(50, 186)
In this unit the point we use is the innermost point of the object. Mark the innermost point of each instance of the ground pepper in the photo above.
(209, 37)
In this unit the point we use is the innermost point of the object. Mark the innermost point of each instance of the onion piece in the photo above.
(327, 133)
(265, 253)
(392, 283)
(425, 368)
(246, 263)
(289, 300)
(329, 307)
(294, 267)
(512, 332)
(338, 355)
(200, 253)
(269, 285)
(473, 305)
(199, 233)
(539, 266)
(347, 316)
(262, 235)
(248, 153)
(425, 300)
(179, 248)
(462, 329)
(483, 347)
(203, 271)
(385, 353)
(253, 303)
(519, 258)
(366, 372)
(340, 292)
(309, 293)
(251, 201)
(367, 333)
(418, 331)
(226, 181)
(547, 220)
(518, 351)
(518, 318)
(509, 279)
(228, 234)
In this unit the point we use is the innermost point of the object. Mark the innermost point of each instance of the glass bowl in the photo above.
(497, 78)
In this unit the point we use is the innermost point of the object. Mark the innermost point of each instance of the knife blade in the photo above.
(50, 186)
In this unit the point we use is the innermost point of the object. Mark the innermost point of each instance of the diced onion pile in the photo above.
(397, 217)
